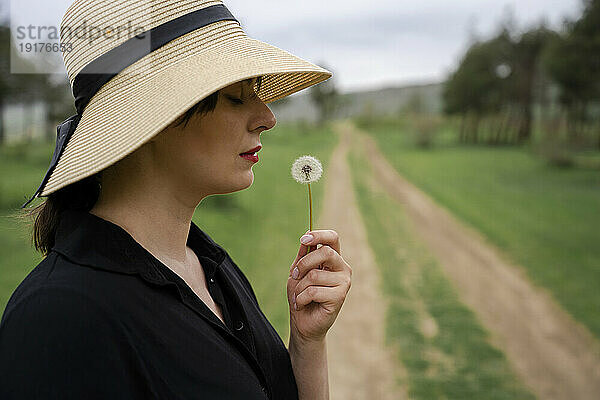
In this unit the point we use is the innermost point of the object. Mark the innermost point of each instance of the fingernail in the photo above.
(295, 306)
(295, 273)
(306, 239)
(294, 298)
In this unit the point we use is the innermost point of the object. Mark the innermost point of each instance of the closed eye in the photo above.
(235, 100)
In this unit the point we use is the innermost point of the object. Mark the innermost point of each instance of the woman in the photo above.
(133, 300)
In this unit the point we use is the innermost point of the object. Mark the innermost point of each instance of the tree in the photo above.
(5, 81)
(573, 62)
(476, 87)
(496, 79)
(326, 98)
(527, 53)
(21, 87)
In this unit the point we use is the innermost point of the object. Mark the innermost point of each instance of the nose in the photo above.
(264, 119)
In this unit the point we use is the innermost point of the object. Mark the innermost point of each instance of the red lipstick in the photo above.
(251, 155)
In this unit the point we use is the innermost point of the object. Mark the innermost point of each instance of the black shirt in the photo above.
(101, 318)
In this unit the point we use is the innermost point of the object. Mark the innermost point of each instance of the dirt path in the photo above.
(360, 366)
(554, 355)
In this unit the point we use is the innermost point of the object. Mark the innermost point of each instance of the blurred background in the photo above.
(490, 110)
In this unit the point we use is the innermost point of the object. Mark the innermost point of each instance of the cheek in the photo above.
(180, 156)
(206, 159)
(209, 149)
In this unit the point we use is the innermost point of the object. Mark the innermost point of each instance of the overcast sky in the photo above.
(365, 44)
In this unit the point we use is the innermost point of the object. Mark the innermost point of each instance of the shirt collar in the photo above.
(87, 239)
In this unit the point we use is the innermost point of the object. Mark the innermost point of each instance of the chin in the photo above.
(249, 181)
(243, 183)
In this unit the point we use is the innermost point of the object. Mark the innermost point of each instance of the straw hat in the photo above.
(136, 65)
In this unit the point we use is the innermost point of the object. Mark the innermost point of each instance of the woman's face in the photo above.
(203, 157)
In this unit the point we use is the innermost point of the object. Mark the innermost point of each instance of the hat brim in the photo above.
(144, 99)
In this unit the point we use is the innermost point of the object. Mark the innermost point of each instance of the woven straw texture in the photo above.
(147, 96)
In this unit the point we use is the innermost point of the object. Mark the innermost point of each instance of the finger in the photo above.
(325, 256)
(317, 277)
(325, 237)
(301, 252)
(320, 294)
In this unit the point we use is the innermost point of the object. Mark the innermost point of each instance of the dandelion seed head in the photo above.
(307, 169)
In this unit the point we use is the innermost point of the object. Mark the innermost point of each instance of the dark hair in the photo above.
(83, 194)
(202, 107)
(209, 103)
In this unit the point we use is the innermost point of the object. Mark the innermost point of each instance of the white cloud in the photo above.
(370, 43)
(389, 42)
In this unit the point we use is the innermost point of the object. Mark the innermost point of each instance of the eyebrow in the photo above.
(249, 81)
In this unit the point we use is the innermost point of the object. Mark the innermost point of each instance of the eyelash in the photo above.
(235, 100)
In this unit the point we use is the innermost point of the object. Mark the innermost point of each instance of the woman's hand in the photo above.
(318, 293)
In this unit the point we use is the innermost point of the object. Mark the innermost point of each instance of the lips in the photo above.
(251, 155)
(252, 151)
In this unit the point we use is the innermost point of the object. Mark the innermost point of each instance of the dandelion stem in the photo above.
(310, 212)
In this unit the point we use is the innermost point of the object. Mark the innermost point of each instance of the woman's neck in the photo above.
(155, 211)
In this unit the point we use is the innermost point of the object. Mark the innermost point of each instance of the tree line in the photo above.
(501, 83)
(29, 87)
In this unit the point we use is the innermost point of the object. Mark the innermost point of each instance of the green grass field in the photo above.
(544, 218)
(444, 349)
(259, 227)
(21, 170)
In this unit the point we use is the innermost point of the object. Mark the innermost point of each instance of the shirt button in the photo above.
(212, 280)
(240, 326)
